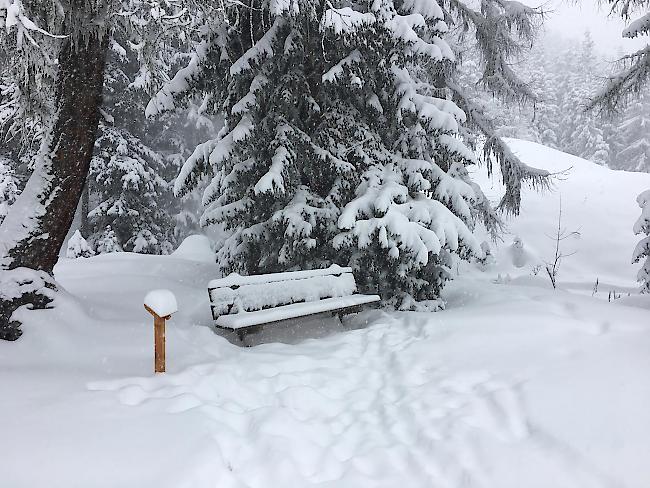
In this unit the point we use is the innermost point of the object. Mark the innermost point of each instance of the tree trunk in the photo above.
(33, 232)
(35, 228)
(85, 209)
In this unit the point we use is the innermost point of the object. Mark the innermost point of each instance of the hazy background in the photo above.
(572, 18)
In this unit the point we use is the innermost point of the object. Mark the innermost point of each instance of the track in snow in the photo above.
(373, 409)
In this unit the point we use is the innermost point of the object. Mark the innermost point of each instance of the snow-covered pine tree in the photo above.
(587, 140)
(581, 131)
(127, 191)
(21, 123)
(598, 148)
(136, 158)
(545, 111)
(78, 247)
(187, 217)
(341, 142)
(128, 180)
(187, 129)
(107, 242)
(642, 250)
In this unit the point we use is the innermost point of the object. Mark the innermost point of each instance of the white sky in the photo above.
(572, 18)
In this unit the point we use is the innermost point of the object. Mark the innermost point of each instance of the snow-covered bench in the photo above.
(244, 303)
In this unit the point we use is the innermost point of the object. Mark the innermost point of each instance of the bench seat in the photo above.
(248, 319)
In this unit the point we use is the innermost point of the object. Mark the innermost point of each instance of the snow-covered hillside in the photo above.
(515, 385)
(598, 203)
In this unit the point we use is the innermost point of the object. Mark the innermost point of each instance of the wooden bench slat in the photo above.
(248, 319)
(236, 280)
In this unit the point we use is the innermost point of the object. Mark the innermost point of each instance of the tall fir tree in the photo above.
(582, 131)
(546, 112)
(127, 192)
(129, 181)
(185, 130)
(342, 142)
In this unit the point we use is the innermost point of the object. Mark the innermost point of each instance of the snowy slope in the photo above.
(597, 202)
(514, 385)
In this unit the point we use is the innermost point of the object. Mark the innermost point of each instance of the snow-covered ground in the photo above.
(515, 385)
(597, 203)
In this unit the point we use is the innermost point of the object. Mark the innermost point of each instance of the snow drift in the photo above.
(598, 203)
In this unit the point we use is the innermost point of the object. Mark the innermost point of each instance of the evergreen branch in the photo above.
(625, 84)
(502, 30)
(513, 170)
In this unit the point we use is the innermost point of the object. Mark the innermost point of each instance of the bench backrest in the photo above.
(235, 293)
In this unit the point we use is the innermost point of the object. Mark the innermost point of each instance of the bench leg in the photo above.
(241, 334)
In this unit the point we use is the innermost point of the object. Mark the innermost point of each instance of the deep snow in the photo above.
(515, 385)
(598, 203)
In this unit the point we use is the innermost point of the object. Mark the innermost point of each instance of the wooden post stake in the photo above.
(159, 340)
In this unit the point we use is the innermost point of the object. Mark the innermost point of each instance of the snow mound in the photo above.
(598, 203)
(256, 296)
(195, 248)
(518, 254)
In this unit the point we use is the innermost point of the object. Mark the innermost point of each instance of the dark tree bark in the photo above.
(78, 100)
(32, 234)
(85, 209)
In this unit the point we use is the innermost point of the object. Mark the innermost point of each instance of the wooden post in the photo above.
(159, 340)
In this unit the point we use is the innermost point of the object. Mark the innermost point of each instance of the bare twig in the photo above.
(553, 268)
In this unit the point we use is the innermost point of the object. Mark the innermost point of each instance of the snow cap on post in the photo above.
(162, 302)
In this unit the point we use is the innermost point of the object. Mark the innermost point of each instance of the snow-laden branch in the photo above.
(14, 15)
(635, 68)
(624, 84)
(514, 172)
(503, 30)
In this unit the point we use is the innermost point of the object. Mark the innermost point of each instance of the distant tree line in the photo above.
(565, 75)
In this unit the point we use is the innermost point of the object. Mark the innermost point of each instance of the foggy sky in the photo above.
(572, 18)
